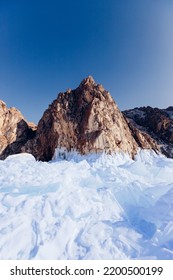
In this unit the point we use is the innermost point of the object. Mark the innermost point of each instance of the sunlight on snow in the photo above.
(87, 207)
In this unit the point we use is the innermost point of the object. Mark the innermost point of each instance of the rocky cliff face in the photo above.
(85, 119)
(156, 126)
(14, 131)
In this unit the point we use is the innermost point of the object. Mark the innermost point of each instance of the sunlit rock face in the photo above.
(156, 127)
(85, 119)
(14, 131)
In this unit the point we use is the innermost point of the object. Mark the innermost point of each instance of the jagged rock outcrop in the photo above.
(85, 119)
(14, 131)
(155, 125)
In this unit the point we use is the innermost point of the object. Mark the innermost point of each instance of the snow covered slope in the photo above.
(92, 207)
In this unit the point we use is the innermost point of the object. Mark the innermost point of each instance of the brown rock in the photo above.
(156, 125)
(86, 120)
(14, 131)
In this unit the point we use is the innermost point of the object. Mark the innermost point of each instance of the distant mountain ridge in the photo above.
(87, 120)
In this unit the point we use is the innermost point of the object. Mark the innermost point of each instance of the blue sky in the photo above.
(49, 46)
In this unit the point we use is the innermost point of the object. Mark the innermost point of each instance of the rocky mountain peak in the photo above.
(89, 81)
(85, 119)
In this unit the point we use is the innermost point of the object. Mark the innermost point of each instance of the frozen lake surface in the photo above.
(92, 207)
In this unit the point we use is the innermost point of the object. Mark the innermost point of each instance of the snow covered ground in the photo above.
(92, 207)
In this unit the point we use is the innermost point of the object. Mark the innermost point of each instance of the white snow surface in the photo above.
(87, 207)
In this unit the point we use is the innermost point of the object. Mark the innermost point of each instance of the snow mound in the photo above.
(86, 207)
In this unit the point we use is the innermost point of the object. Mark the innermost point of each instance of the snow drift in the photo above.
(87, 207)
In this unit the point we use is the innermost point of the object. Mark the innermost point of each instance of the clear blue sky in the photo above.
(49, 46)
